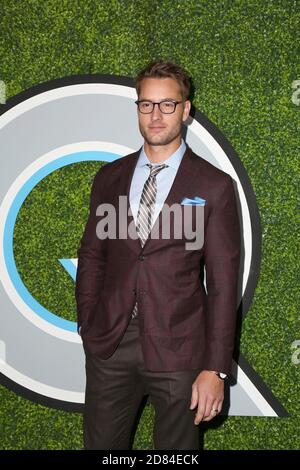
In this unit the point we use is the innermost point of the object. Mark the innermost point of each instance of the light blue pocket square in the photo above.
(197, 201)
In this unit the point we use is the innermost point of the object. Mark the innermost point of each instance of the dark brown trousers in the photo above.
(115, 388)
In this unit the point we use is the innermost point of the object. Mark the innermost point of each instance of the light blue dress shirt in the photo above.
(164, 180)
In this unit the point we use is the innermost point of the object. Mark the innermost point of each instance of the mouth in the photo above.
(156, 128)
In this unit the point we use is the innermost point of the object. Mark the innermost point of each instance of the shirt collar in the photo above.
(173, 161)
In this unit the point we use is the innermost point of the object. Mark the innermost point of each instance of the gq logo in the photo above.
(53, 138)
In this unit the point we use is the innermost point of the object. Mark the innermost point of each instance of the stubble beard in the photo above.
(161, 139)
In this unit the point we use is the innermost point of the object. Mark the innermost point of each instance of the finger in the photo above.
(210, 417)
(208, 408)
(194, 398)
(212, 411)
(218, 406)
(200, 410)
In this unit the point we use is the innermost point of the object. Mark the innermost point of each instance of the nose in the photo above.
(156, 113)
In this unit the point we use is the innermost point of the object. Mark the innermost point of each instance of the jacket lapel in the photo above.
(180, 188)
(126, 179)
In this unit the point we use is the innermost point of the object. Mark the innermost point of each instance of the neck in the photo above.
(160, 153)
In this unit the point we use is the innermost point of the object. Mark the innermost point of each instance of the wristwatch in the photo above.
(221, 375)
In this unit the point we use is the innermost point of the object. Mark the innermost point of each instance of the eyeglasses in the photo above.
(165, 106)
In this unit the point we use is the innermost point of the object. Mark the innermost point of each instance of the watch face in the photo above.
(221, 375)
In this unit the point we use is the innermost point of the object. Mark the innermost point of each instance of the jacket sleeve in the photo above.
(91, 260)
(222, 240)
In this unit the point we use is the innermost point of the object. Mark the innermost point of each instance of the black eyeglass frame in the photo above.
(137, 102)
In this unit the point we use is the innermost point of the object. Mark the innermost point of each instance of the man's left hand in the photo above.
(208, 394)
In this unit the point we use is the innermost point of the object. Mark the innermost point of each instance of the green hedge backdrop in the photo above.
(243, 57)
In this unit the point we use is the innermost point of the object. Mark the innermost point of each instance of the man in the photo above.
(147, 324)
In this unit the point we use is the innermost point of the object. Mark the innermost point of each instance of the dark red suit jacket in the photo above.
(181, 325)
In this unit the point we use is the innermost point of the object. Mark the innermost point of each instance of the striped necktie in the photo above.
(146, 209)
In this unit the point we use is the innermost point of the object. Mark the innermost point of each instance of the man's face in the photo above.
(158, 128)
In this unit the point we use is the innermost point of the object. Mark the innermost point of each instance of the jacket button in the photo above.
(141, 257)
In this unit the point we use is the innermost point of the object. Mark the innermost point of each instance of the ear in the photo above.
(186, 110)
